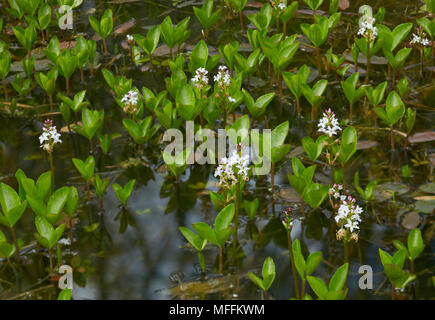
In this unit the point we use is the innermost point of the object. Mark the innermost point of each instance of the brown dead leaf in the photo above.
(65, 129)
(67, 45)
(425, 198)
(343, 4)
(411, 220)
(125, 26)
(366, 144)
(424, 136)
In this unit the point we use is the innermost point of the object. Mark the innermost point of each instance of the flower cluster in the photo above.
(233, 169)
(49, 136)
(367, 28)
(223, 78)
(329, 123)
(130, 101)
(348, 214)
(129, 38)
(420, 38)
(224, 82)
(200, 79)
(64, 241)
(282, 6)
(287, 221)
(278, 4)
(335, 192)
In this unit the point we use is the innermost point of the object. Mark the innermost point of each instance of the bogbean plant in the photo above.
(394, 265)
(190, 95)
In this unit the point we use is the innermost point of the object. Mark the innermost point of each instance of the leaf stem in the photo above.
(50, 160)
(5, 90)
(368, 63)
(220, 260)
(292, 261)
(14, 237)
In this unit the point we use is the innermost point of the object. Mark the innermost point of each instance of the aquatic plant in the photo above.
(268, 273)
(104, 27)
(221, 232)
(124, 193)
(336, 289)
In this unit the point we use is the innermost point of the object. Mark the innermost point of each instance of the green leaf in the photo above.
(313, 149)
(386, 259)
(65, 294)
(9, 198)
(375, 96)
(348, 144)
(279, 134)
(205, 232)
(315, 194)
(43, 185)
(318, 286)
(86, 168)
(268, 273)
(57, 201)
(415, 244)
(224, 218)
(313, 262)
(338, 280)
(44, 228)
(395, 108)
(72, 201)
(251, 207)
(193, 239)
(123, 193)
(299, 258)
(256, 280)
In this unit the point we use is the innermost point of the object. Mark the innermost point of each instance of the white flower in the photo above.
(367, 28)
(425, 42)
(223, 77)
(351, 225)
(415, 39)
(329, 123)
(200, 79)
(233, 169)
(44, 137)
(130, 98)
(348, 214)
(64, 241)
(282, 6)
(49, 136)
(419, 38)
(231, 99)
(129, 38)
(335, 191)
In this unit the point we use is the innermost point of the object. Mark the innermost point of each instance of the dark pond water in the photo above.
(138, 252)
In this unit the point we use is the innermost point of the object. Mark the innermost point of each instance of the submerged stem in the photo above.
(319, 61)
